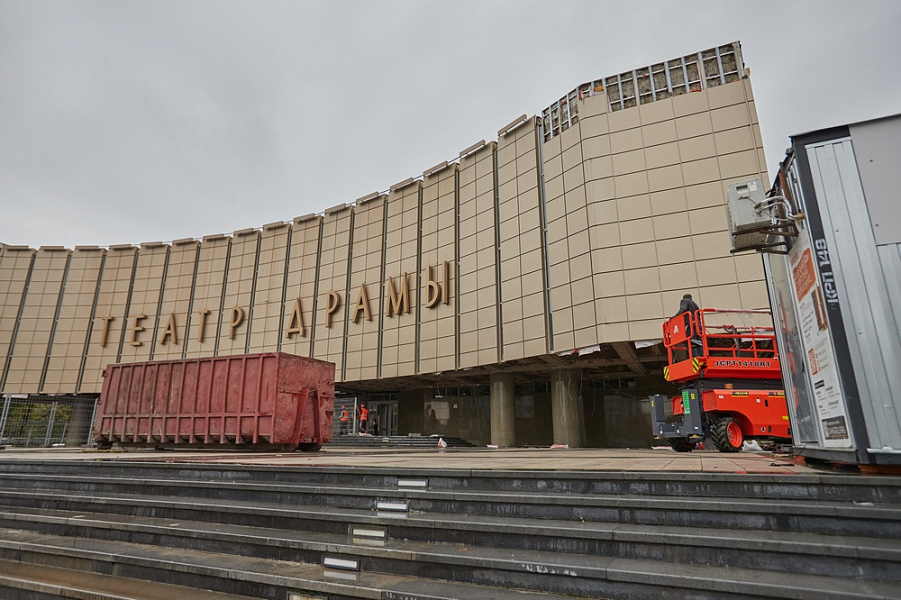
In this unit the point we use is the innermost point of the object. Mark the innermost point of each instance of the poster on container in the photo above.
(817, 343)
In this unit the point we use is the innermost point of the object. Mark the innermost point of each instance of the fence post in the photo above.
(50, 423)
(3, 416)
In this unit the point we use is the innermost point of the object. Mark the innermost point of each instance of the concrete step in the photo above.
(824, 487)
(23, 580)
(185, 524)
(595, 577)
(862, 519)
(237, 574)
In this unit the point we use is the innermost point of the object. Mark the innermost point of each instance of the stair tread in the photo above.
(305, 576)
(774, 584)
(801, 543)
(69, 582)
(712, 578)
(339, 544)
(714, 503)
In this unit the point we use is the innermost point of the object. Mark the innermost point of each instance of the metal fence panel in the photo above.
(45, 421)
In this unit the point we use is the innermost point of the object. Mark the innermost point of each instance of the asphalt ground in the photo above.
(507, 459)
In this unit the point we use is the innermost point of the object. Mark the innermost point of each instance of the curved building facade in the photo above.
(513, 295)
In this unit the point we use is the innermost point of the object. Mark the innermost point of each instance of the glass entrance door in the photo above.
(384, 408)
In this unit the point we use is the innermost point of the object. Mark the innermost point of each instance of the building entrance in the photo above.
(383, 414)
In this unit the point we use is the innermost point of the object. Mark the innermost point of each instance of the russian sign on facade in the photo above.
(397, 302)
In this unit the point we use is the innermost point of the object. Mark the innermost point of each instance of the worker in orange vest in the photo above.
(344, 418)
(364, 417)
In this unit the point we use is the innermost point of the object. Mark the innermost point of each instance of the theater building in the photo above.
(513, 295)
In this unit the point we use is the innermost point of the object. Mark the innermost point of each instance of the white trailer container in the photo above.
(835, 288)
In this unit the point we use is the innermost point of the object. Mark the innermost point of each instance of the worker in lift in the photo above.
(687, 305)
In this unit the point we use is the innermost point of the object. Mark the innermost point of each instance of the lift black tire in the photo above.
(310, 447)
(727, 435)
(682, 444)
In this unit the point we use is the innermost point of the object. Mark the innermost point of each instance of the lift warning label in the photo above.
(734, 362)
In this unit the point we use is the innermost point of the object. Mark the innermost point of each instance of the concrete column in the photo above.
(566, 407)
(503, 406)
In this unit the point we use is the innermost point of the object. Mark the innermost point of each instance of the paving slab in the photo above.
(542, 459)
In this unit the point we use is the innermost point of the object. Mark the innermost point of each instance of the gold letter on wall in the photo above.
(398, 303)
(105, 332)
(237, 319)
(136, 329)
(362, 305)
(201, 325)
(437, 291)
(433, 294)
(334, 301)
(171, 330)
(296, 324)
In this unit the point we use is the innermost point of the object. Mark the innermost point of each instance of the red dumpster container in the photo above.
(255, 401)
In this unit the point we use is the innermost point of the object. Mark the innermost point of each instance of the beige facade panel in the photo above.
(175, 307)
(74, 323)
(623, 120)
(735, 140)
(109, 324)
(438, 252)
(236, 318)
(203, 323)
(668, 202)
(268, 300)
(642, 255)
(15, 270)
(696, 148)
(657, 205)
(720, 295)
(477, 271)
(518, 236)
(690, 104)
(365, 303)
(662, 155)
(142, 319)
(659, 133)
(655, 112)
(29, 352)
(678, 277)
(402, 282)
(334, 293)
(753, 294)
(301, 291)
(568, 240)
(625, 141)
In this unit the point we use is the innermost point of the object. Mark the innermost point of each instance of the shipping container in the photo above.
(254, 401)
(832, 255)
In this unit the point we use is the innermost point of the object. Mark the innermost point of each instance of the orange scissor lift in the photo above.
(731, 381)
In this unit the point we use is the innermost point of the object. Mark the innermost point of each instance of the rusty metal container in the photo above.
(254, 401)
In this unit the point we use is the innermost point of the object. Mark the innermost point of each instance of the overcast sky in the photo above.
(139, 121)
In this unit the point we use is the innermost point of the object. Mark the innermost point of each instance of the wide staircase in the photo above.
(105, 529)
